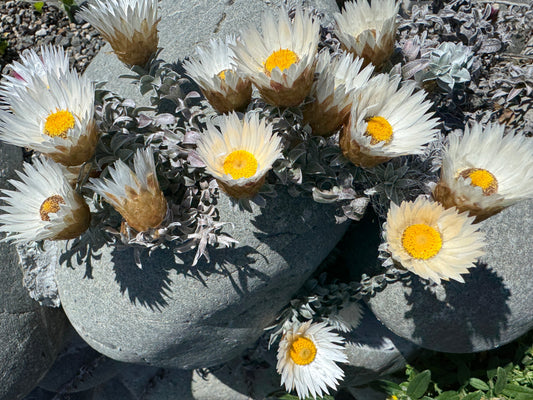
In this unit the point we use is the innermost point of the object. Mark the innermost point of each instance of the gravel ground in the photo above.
(23, 28)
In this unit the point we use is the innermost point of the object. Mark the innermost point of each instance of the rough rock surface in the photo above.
(79, 368)
(234, 380)
(180, 32)
(493, 307)
(30, 335)
(373, 351)
(179, 316)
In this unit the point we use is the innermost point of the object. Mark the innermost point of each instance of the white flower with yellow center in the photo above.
(53, 60)
(135, 195)
(368, 30)
(338, 79)
(130, 27)
(386, 122)
(307, 357)
(44, 206)
(485, 171)
(54, 116)
(215, 71)
(239, 154)
(281, 61)
(430, 241)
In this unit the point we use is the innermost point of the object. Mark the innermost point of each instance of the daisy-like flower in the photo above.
(280, 62)
(485, 171)
(135, 195)
(338, 78)
(54, 116)
(130, 27)
(215, 71)
(386, 122)
(307, 357)
(44, 206)
(53, 60)
(239, 154)
(430, 241)
(368, 30)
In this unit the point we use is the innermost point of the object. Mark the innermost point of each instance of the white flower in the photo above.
(239, 154)
(215, 71)
(485, 171)
(52, 61)
(432, 242)
(130, 27)
(307, 357)
(54, 116)
(338, 79)
(281, 61)
(135, 195)
(44, 206)
(387, 122)
(368, 30)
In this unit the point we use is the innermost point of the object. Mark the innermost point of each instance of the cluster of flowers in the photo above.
(50, 109)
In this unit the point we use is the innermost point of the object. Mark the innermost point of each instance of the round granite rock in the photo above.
(373, 351)
(174, 315)
(30, 335)
(494, 305)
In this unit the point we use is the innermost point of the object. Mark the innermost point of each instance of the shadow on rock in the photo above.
(149, 283)
(84, 249)
(456, 313)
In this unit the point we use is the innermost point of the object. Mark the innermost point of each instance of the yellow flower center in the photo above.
(302, 351)
(481, 178)
(58, 123)
(421, 241)
(50, 205)
(282, 58)
(379, 129)
(240, 164)
(222, 74)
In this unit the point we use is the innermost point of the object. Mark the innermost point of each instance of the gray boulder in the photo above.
(30, 335)
(178, 316)
(493, 307)
(373, 351)
(234, 380)
(41, 394)
(79, 368)
(186, 24)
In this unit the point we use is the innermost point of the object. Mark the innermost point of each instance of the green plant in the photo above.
(69, 6)
(38, 6)
(449, 66)
(4, 44)
(505, 373)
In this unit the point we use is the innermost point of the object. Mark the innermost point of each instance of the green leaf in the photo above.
(288, 397)
(501, 380)
(473, 396)
(418, 386)
(38, 6)
(479, 384)
(513, 390)
(3, 46)
(387, 387)
(449, 395)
